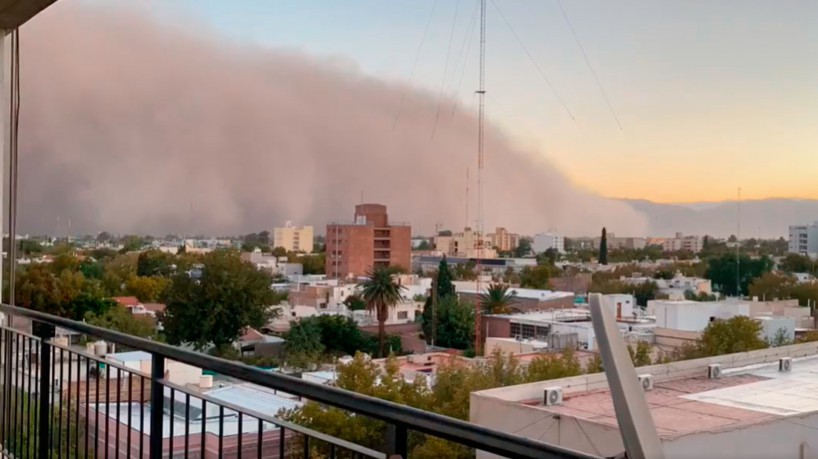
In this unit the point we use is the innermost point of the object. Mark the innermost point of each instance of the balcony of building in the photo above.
(90, 405)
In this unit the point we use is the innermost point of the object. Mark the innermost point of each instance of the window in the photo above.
(403, 315)
(515, 330)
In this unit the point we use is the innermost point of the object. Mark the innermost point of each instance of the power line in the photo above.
(590, 67)
(466, 40)
(446, 67)
(533, 61)
(415, 64)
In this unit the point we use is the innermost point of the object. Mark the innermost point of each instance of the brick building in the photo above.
(369, 241)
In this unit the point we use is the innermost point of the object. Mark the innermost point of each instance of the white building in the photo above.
(293, 238)
(675, 288)
(466, 244)
(804, 239)
(752, 411)
(549, 240)
(680, 242)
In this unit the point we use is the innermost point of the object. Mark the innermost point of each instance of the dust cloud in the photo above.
(132, 125)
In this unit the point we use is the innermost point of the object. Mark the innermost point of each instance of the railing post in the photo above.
(157, 405)
(45, 332)
(397, 441)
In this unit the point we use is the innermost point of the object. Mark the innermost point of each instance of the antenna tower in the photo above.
(738, 244)
(481, 93)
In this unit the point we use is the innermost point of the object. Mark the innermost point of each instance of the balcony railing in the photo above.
(57, 399)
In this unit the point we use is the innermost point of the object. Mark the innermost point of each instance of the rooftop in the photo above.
(525, 293)
(685, 401)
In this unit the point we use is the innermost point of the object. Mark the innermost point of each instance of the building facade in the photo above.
(293, 238)
(468, 244)
(369, 241)
(680, 242)
(804, 239)
(504, 241)
(549, 240)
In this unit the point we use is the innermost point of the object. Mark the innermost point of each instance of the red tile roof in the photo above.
(127, 301)
(154, 307)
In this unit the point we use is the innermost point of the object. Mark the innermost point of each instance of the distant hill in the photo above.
(766, 218)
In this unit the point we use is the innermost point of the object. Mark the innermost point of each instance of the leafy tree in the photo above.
(594, 365)
(338, 335)
(380, 292)
(279, 252)
(603, 247)
(304, 342)
(552, 366)
(701, 296)
(65, 262)
(37, 288)
(523, 248)
(465, 272)
(795, 263)
(120, 319)
(104, 237)
(737, 334)
(549, 257)
(154, 263)
(455, 323)
(103, 254)
(253, 241)
(535, 276)
(640, 355)
(132, 243)
(89, 302)
(722, 272)
(497, 300)
(424, 245)
(780, 339)
(118, 271)
(772, 285)
(146, 289)
(29, 247)
(355, 303)
(229, 296)
(92, 269)
(441, 285)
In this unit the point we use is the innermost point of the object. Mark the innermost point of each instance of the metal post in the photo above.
(397, 441)
(45, 332)
(636, 425)
(157, 405)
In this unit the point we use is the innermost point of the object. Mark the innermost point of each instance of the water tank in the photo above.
(100, 348)
(206, 382)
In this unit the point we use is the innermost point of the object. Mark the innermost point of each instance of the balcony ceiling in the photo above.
(14, 13)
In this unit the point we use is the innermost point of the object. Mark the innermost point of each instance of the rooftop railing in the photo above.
(57, 399)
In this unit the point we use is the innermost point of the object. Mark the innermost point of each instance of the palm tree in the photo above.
(381, 292)
(497, 300)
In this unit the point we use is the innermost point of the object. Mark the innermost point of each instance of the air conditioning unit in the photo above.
(714, 371)
(552, 396)
(646, 381)
(785, 364)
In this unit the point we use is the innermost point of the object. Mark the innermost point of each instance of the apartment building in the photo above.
(680, 242)
(504, 240)
(371, 240)
(804, 239)
(467, 244)
(293, 238)
(549, 240)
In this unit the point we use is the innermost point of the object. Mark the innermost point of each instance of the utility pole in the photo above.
(738, 244)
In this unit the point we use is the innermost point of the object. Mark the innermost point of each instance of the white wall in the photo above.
(544, 241)
(694, 315)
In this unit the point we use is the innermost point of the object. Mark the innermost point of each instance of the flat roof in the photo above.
(741, 397)
(134, 356)
(524, 293)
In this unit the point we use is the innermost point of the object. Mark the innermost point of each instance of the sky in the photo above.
(702, 97)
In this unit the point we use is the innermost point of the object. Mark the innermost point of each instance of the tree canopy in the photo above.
(229, 296)
(603, 247)
(722, 272)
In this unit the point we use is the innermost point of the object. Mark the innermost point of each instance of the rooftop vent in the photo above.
(714, 371)
(785, 364)
(552, 396)
(646, 381)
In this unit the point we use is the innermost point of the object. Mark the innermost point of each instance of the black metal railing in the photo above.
(62, 399)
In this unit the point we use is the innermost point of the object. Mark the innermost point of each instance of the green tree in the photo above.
(120, 319)
(535, 276)
(737, 334)
(92, 269)
(442, 286)
(339, 335)
(424, 245)
(154, 263)
(355, 303)
(497, 299)
(772, 285)
(552, 366)
(30, 247)
(132, 243)
(229, 296)
(380, 292)
(304, 343)
(640, 354)
(722, 272)
(603, 247)
(146, 289)
(455, 323)
(795, 263)
(279, 252)
(37, 288)
(523, 248)
(465, 271)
